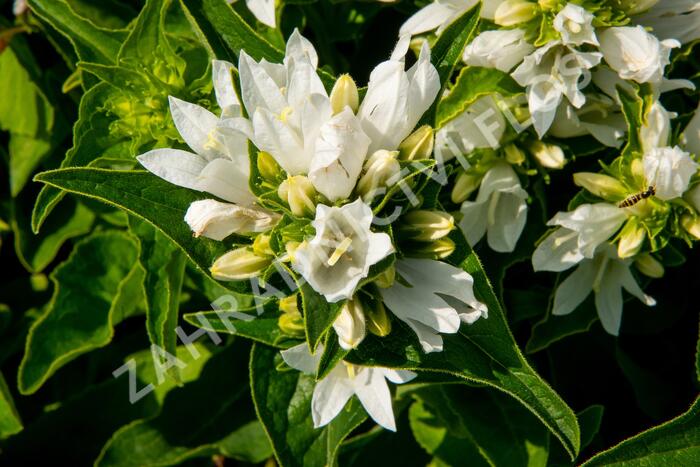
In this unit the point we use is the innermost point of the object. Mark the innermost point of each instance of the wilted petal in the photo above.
(213, 219)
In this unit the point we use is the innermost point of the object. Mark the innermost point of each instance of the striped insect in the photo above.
(634, 199)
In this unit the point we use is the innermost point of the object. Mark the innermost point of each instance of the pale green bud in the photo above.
(239, 264)
(289, 304)
(548, 4)
(425, 226)
(550, 156)
(465, 184)
(291, 248)
(386, 278)
(299, 193)
(261, 245)
(649, 266)
(418, 145)
(631, 239)
(603, 186)
(634, 7)
(380, 168)
(512, 12)
(439, 249)
(692, 196)
(350, 325)
(514, 155)
(691, 224)
(344, 94)
(267, 166)
(292, 323)
(378, 320)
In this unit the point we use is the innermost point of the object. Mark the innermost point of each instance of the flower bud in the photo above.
(634, 7)
(344, 94)
(512, 12)
(350, 325)
(418, 145)
(268, 167)
(425, 226)
(239, 264)
(603, 186)
(649, 266)
(550, 156)
(439, 249)
(291, 248)
(631, 239)
(381, 168)
(465, 184)
(691, 224)
(299, 193)
(386, 278)
(216, 220)
(549, 4)
(261, 245)
(514, 155)
(289, 304)
(378, 320)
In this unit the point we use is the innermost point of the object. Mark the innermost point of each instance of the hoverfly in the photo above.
(634, 199)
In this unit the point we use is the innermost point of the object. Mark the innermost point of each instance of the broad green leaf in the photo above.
(201, 419)
(319, 315)
(226, 33)
(91, 43)
(283, 403)
(554, 328)
(164, 267)
(452, 421)
(10, 423)
(484, 352)
(36, 252)
(676, 442)
(446, 53)
(471, 84)
(93, 289)
(148, 197)
(589, 419)
(75, 430)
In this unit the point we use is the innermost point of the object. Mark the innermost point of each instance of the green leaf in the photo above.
(92, 43)
(196, 421)
(471, 84)
(319, 315)
(146, 196)
(446, 53)
(283, 403)
(10, 423)
(164, 267)
(553, 328)
(93, 289)
(484, 352)
(36, 252)
(226, 33)
(452, 421)
(676, 442)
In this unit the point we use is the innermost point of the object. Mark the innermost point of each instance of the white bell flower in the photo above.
(396, 99)
(344, 248)
(669, 170)
(690, 140)
(263, 10)
(502, 49)
(331, 393)
(575, 25)
(606, 275)
(216, 220)
(481, 125)
(673, 19)
(219, 162)
(655, 133)
(600, 117)
(549, 74)
(439, 297)
(636, 54)
(581, 232)
(499, 211)
(441, 13)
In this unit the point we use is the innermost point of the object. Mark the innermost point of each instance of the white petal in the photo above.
(213, 219)
(608, 302)
(299, 48)
(178, 167)
(474, 220)
(373, 391)
(258, 89)
(397, 376)
(330, 396)
(264, 11)
(228, 180)
(223, 85)
(595, 223)
(427, 19)
(350, 326)
(282, 142)
(630, 284)
(558, 252)
(510, 216)
(195, 124)
(299, 358)
(574, 289)
(429, 339)
(423, 88)
(669, 170)
(691, 134)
